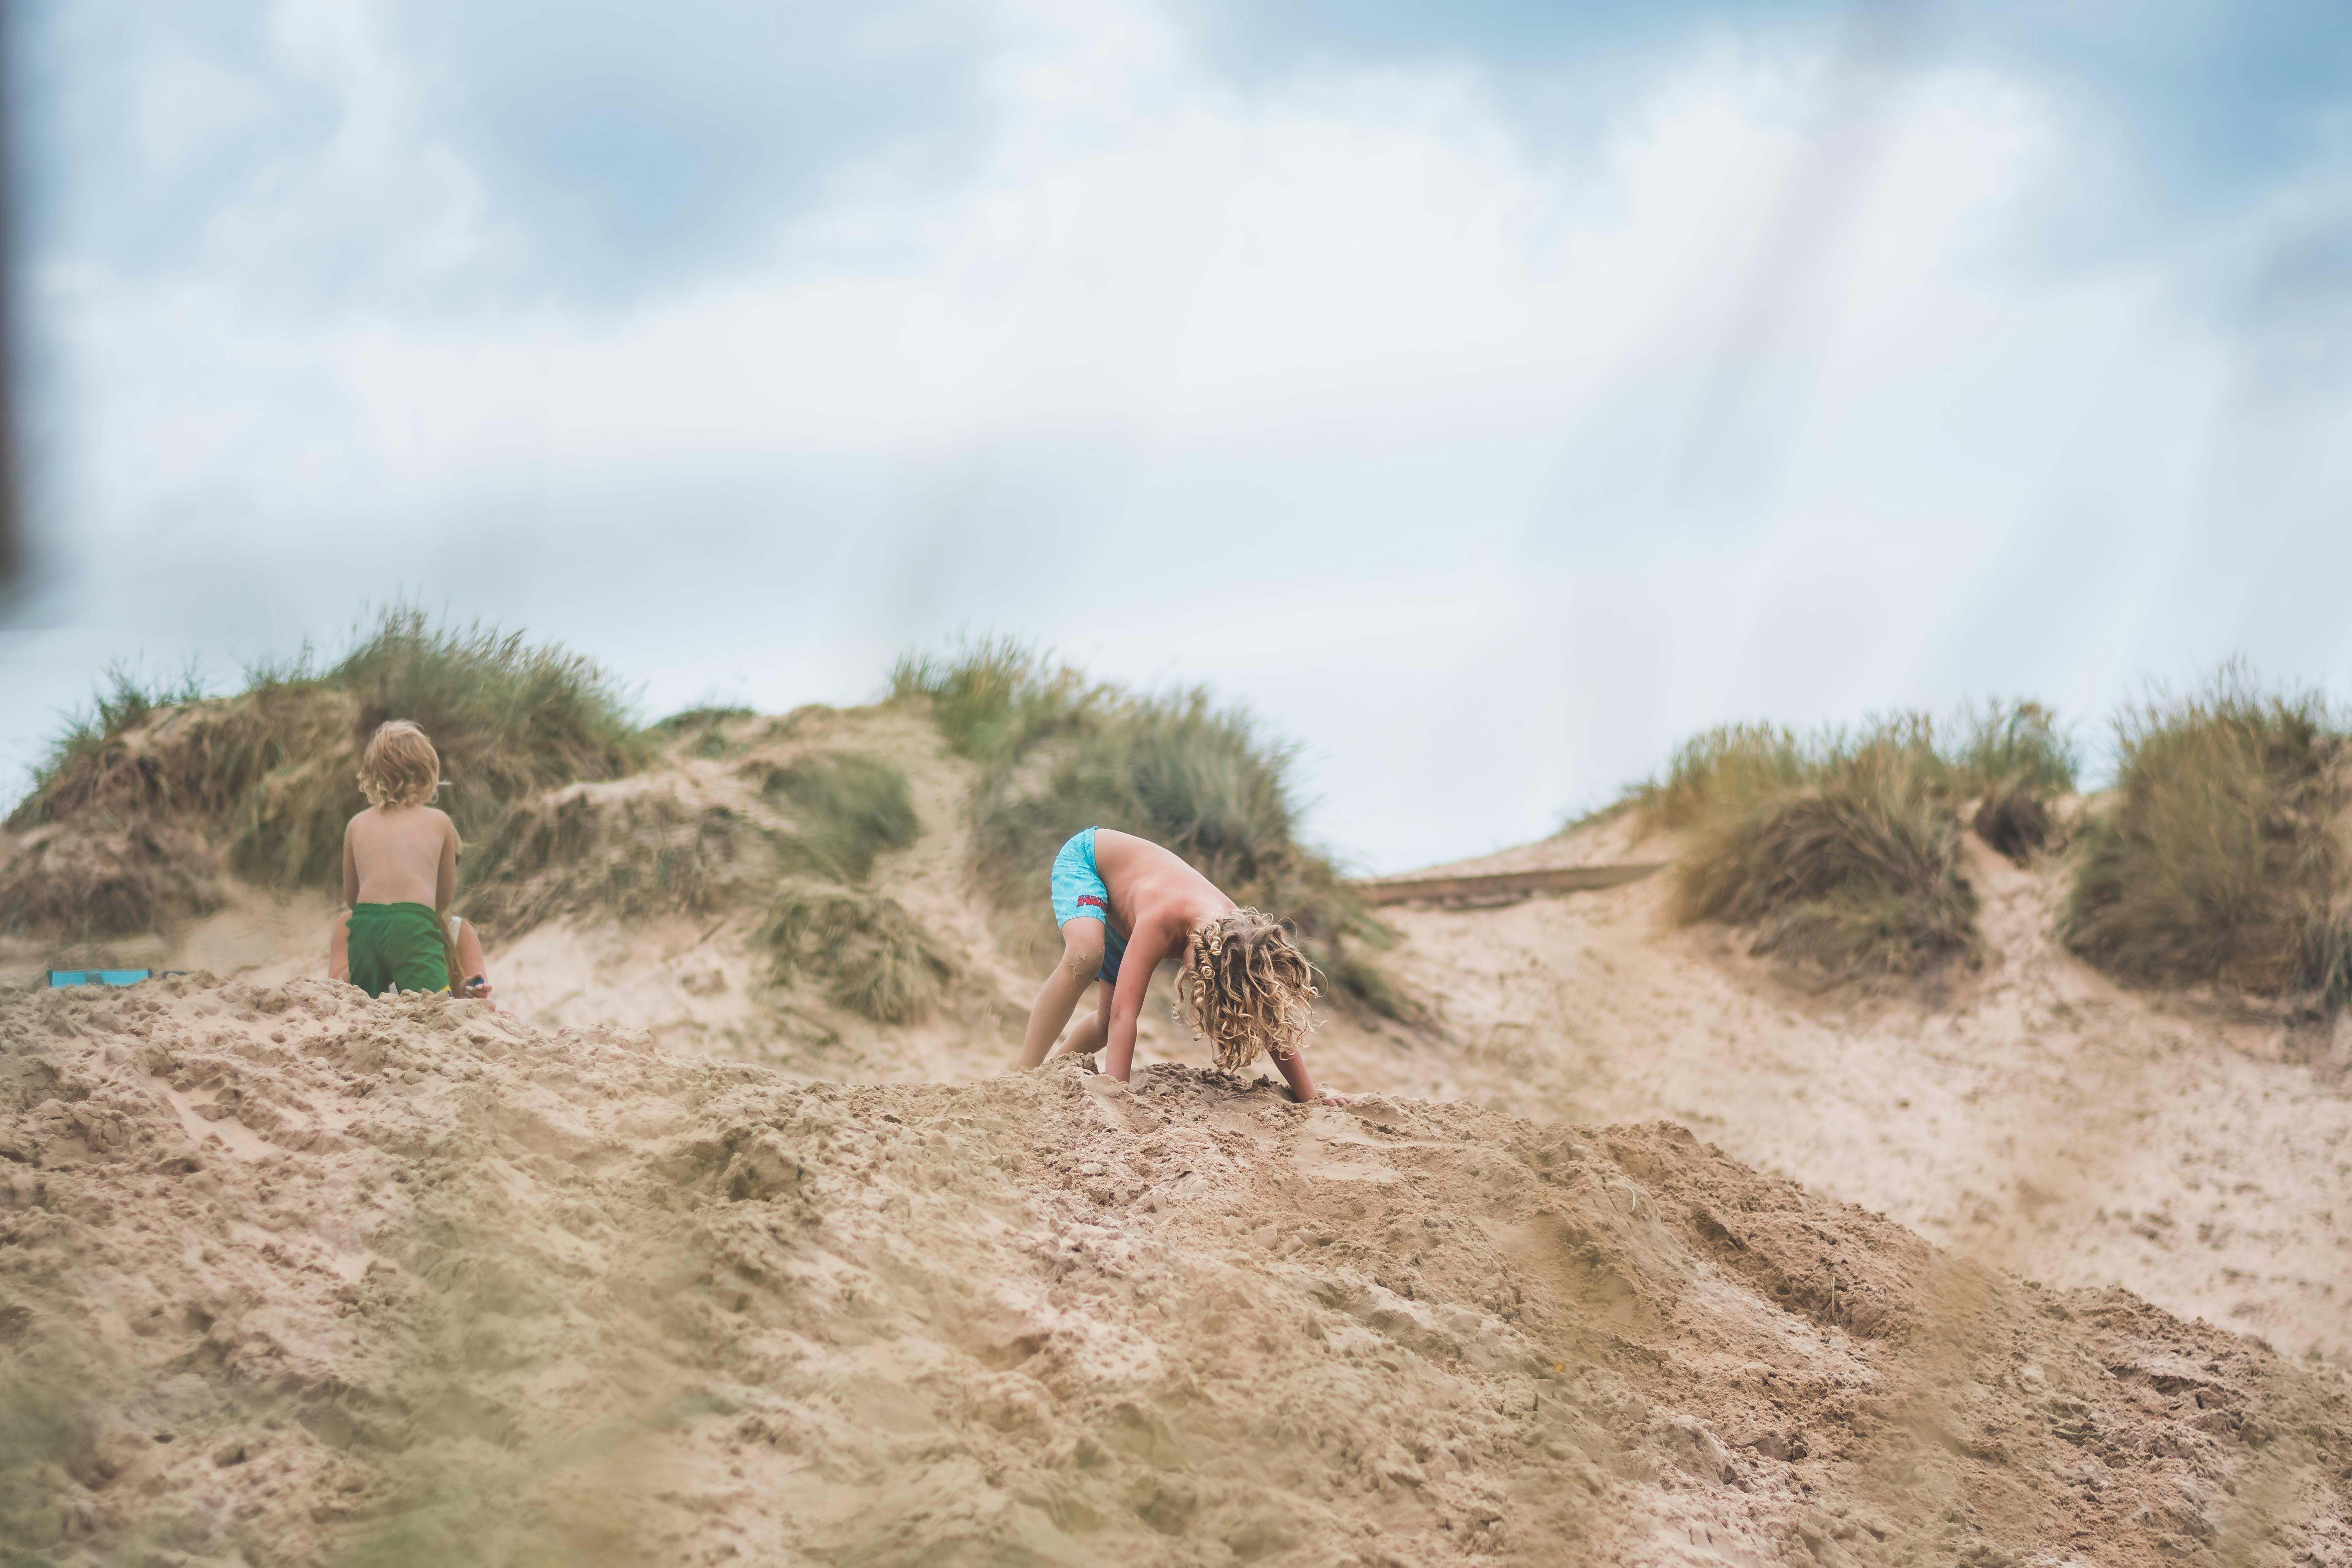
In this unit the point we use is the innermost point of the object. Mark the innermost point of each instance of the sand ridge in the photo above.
(308, 1279)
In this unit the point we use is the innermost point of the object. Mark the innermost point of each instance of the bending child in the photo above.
(1240, 981)
(400, 868)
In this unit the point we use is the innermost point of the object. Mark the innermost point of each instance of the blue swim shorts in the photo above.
(1079, 893)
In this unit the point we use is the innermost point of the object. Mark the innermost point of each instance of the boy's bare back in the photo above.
(401, 855)
(1157, 892)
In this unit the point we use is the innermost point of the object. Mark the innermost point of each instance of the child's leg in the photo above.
(1089, 1035)
(1082, 956)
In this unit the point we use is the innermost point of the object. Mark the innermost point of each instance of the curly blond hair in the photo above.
(1246, 988)
(399, 767)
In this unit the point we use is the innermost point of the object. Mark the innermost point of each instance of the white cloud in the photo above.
(1485, 471)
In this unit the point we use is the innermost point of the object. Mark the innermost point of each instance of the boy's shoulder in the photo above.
(375, 813)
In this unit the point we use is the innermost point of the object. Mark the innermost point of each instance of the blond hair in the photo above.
(399, 767)
(1246, 988)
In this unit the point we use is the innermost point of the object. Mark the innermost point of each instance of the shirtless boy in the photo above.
(1125, 905)
(400, 868)
(465, 937)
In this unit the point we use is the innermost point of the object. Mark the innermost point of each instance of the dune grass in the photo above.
(273, 766)
(865, 949)
(1856, 871)
(570, 853)
(848, 807)
(1059, 752)
(1981, 749)
(2220, 858)
(92, 883)
(509, 717)
(703, 731)
(1841, 848)
(995, 699)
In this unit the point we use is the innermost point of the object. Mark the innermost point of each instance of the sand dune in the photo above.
(665, 1261)
(305, 1279)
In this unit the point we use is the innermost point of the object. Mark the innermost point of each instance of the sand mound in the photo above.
(290, 1277)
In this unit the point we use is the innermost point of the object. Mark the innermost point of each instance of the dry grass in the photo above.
(702, 731)
(138, 755)
(1060, 754)
(508, 719)
(570, 853)
(271, 769)
(995, 700)
(91, 883)
(847, 808)
(1841, 848)
(866, 950)
(1855, 871)
(2222, 858)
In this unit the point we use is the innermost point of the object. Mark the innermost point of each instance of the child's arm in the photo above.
(339, 948)
(1293, 1069)
(1144, 952)
(351, 866)
(470, 959)
(445, 885)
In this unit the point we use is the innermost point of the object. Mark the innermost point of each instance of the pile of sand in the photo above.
(290, 1277)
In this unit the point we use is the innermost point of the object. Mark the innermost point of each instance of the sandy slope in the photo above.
(299, 1278)
(2026, 1115)
(2032, 1115)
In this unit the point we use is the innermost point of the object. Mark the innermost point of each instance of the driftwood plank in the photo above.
(1500, 885)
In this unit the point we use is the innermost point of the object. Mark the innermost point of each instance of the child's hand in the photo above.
(1325, 1097)
(475, 989)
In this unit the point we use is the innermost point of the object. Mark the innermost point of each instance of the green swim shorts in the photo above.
(397, 946)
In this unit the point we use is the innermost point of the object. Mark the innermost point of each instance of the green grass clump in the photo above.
(1841, 847)
(273, 768)
(1856, 871)
(2218, 859)
(848, 807)
(1980, 751)
(2020, 745)
(1059, 753)
(1733, 761)
(996, 699)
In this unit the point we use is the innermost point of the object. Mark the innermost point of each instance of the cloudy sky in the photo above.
(1488, 395)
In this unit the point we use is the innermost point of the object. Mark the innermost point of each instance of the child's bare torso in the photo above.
(396, 854)
(1153, 889)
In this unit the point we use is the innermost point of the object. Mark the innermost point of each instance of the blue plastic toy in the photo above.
(98, 976)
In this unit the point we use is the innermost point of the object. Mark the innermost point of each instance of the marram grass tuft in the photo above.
(272, 769)
(2220, 858)
(1840, 848)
